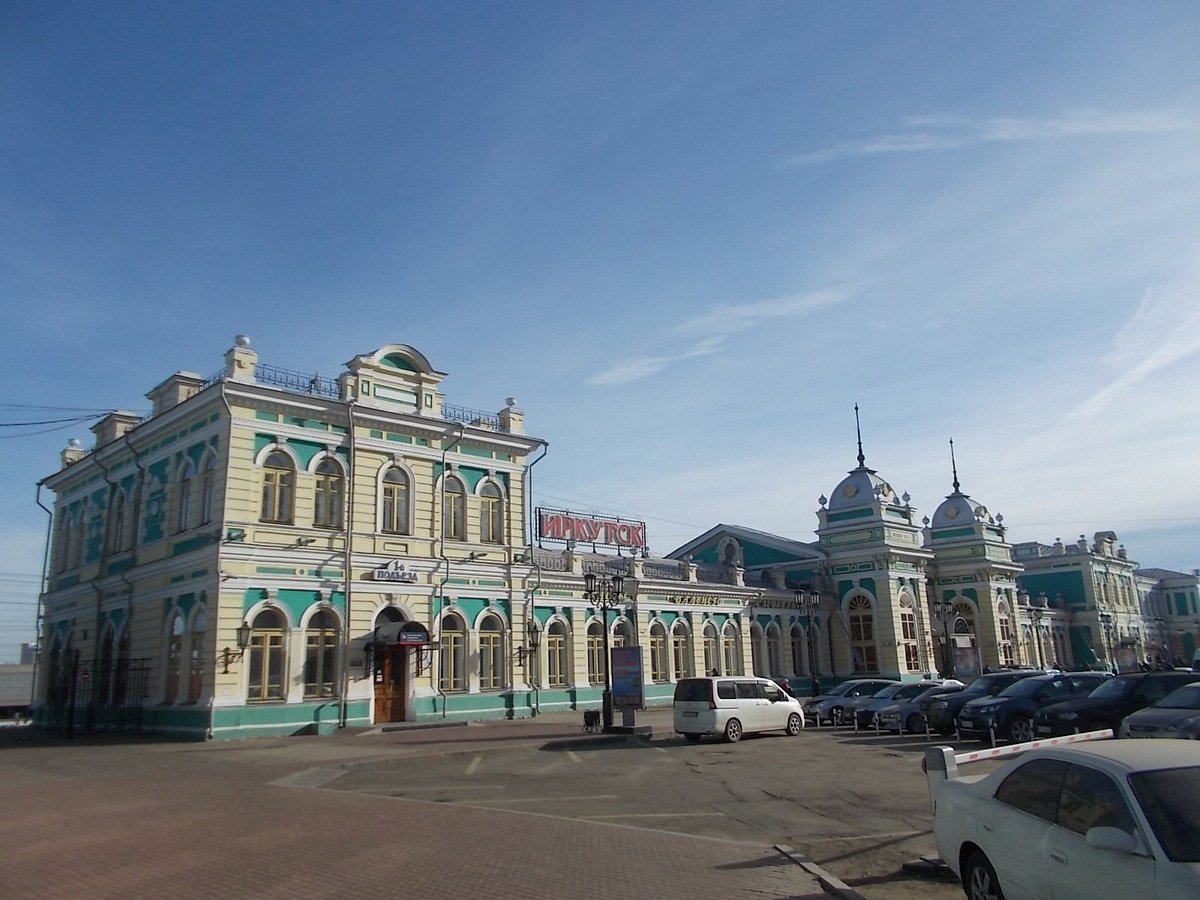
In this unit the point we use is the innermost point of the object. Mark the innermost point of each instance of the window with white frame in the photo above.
(491, 514)
(595, 652)
(681, 649)
(208, 489)
(395, 501)
(183, 497)
(491, 653)
(862, 635)
(278, 489)
(712, 650)
(622, 633)
(908, 634)
(452, 654)
(267, 657)
(1004, 625)
(454, 509)
(320, 655)
(115, 538)
(558, 658)
(731, 650)
(658, 653)
(328, 494)
(774, 650)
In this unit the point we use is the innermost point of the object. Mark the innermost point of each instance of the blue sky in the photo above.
(688, 237)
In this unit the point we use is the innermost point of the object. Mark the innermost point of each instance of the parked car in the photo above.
(1108, 704)
(1095, 819)
(1010, 713)
(941, 712)
(1176, 715)
(906, 714)
(732, 706)
(831, 707)
(861, 710)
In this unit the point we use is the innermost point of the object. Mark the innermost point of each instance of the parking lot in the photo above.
(857, 804)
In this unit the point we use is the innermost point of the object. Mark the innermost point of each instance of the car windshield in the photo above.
(1114, 688)
(842, 688)
(931, 692)
(1186, 697)
(1171, 799)
(1023, 688)
(890, 691)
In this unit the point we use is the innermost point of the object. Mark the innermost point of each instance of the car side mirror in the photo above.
(1105, 837)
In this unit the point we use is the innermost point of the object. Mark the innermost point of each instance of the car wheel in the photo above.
(733, 731)
(1021, 730)
(979, 879)
(795, 723)
(837, 716)
(692, 737)
(915, 723)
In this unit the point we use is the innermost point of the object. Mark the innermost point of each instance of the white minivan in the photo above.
(733, 705)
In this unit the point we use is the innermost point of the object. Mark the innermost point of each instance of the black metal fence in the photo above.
(86, 696)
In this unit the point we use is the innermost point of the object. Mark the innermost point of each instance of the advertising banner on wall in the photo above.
(628, 686)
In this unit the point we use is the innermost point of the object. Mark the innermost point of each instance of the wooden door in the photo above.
(391, 685)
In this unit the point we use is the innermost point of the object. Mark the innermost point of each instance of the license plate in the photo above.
(690, 713)
(966, 723)
(1043, 729)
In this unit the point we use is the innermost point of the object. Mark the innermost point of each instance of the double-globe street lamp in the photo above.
(944, 610)
(607, 594)
(1106, 623)
(1037, 609)
(810, 606)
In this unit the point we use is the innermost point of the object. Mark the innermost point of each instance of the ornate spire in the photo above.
(862, 460)
(953, 466)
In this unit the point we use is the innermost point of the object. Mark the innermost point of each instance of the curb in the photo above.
(835, 887)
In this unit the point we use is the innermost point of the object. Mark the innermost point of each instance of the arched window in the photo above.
(320, 655)
(774, 650)
(452, 654)
(266, 652)
(395, 499)
(174, 659)
(862, 636)
(731, 650)
(115, 539)
(681, 649)
(328, 494)
(183, 498)
(279, 488)
(595, 652)
(208, 487)
(1005, 629)
(65, 529)
(712, 650)
(454, 509)
(491, 514)
(758, 650)
(796, 644)
(196, 656)
(558, 659)
(908, 634)
(622, 633)
(491, 653)
(658, 653)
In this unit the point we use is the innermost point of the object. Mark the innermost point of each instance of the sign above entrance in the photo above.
(394, 571)
(562, 525)
(405, 633)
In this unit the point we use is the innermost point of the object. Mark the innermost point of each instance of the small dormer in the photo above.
(174, 391)
(395, 377)
(113, 426)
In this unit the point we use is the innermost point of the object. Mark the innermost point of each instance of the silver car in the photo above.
(1176, 715)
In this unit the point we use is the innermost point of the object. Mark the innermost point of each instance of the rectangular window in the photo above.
(556, 658)
(452, 662)
(681, 658)
(319, 666)
(266, 666)
(658, 658)
(491, 662)
(595, 653)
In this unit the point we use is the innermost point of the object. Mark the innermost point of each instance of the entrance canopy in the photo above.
(405, 634)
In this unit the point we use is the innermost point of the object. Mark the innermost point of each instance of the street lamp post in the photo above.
(607, 594)
(810, 606)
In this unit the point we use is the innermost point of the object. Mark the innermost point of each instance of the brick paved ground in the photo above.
(99, 818)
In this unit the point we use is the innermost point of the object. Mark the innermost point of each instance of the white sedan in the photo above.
(1114, 819)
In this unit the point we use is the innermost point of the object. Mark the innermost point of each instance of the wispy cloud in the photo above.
(715, 326)
(926, 133)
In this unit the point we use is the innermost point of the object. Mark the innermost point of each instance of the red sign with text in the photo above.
(561, 525)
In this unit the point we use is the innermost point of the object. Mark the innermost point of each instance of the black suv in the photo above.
(1009, 714)
(941, 711)
(1109, 703)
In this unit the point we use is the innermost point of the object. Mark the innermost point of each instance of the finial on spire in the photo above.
(862, 460)
(953, 465)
